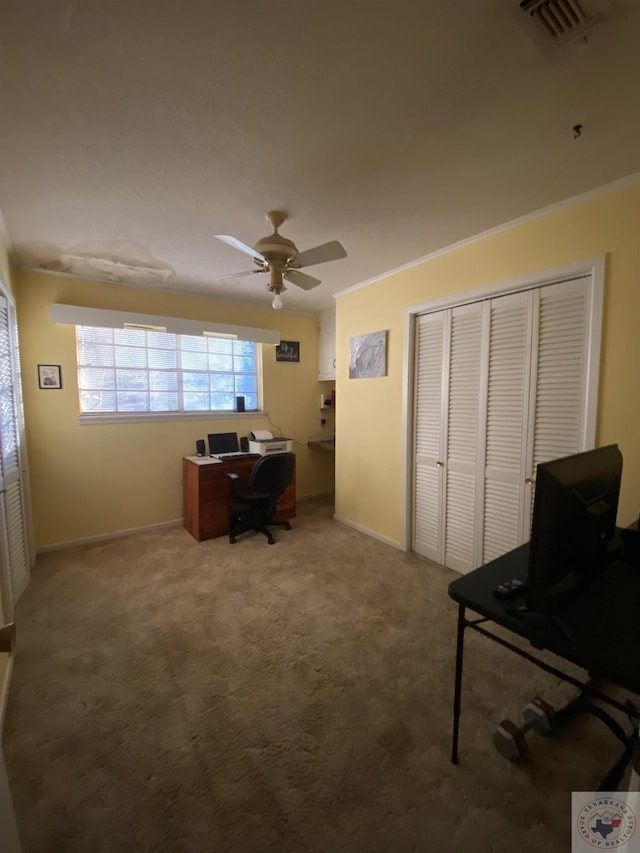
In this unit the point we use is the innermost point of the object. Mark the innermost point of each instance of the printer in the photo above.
(263, 442)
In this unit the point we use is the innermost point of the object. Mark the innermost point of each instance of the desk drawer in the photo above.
(213, 520)
(214, 484)
(213, 473)
(214, 490)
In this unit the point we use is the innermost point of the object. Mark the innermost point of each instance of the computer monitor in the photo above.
(223, 442)
(574, 524)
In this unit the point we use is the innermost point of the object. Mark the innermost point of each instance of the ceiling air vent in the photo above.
(553, 23)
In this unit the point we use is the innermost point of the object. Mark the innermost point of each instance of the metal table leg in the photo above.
(458, 681)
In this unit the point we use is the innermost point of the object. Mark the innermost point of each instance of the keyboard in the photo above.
(225, 457)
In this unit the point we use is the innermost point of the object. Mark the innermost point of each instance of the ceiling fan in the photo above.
(279, 257)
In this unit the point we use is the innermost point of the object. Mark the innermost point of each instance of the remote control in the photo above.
(511, 587)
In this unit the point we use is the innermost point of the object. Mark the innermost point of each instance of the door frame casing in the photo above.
(593, 268)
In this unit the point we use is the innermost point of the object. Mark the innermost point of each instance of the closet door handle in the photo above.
(439, 464)
(529, 481)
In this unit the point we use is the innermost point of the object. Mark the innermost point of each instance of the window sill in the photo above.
(154, 417)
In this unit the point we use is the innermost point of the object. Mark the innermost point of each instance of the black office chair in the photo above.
(253, 507)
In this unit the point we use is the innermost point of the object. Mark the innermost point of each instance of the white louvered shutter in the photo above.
(462, 436)
(428, 430)
(559, 374)
(507, 398)
(12, 511)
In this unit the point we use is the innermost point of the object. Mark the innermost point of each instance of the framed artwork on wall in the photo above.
(49, 376)
(288, 351)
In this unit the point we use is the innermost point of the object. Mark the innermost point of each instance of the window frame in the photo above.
(148, 415)
(75, 315)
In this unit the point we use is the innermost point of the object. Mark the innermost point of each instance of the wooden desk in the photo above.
(206, 495)
(328, 445)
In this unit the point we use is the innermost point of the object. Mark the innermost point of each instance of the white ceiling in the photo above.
(135, 130)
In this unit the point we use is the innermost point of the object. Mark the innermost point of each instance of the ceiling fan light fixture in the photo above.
(276, 303)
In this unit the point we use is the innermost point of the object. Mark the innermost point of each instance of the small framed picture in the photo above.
(49, 376)
(288, 351)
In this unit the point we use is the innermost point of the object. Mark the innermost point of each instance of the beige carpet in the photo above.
(191, 697)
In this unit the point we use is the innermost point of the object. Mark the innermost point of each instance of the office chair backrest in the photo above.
(272, 474)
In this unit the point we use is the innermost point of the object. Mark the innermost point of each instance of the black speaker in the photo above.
(239, 404)
(200, 447)
(244, 443)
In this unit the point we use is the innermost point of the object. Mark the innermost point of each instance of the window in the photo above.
(140, 370)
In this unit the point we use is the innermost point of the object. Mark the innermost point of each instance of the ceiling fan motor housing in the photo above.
(279, 252)
(276, 248)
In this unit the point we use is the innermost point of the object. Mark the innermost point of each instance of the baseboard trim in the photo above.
(4, 690)
(372, 533)
(72, 543)
(104, 537)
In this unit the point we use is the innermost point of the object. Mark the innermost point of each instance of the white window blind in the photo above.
(140, 370)
(14, 547)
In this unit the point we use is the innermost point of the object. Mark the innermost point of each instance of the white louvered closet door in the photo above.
(449, 394)
(506, 427)
(13, 528)
(430, 383)
(501, 386)
(465, 400)
(559, 377)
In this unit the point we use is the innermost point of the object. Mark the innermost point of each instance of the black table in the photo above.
(599, 631)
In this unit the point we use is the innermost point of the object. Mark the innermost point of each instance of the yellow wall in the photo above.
(369, 420)
(95, 480)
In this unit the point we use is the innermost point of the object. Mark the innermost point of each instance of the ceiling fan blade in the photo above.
(301, 279)
(237, 274)
(331, 251)
(238, 244)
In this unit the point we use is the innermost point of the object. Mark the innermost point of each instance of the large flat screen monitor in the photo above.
(574, 524)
